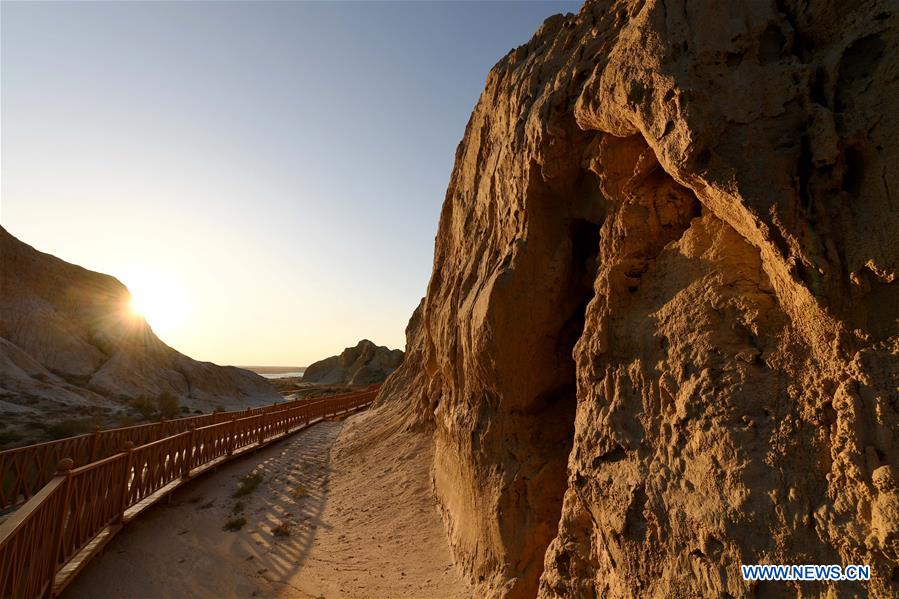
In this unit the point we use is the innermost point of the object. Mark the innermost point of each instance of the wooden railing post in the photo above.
(189, 454)
(129, 463)
(95, 444)
(264, 417)
(231, 436)
(64, 468)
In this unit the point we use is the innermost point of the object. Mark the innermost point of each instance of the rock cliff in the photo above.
(660, 339)
(364, 364)
(69, 342)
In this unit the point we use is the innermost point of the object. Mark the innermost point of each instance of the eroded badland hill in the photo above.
(70, 348)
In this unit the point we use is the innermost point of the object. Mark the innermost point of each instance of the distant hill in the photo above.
(69, 346)
(364, 364)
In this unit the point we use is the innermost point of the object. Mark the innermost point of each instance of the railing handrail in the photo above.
(16, 520)
(208, 426)
(47, 443)
(97, 463)
(156, 442)
(58, 525)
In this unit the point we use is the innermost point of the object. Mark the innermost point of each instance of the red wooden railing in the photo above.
(44, 544)
(25, 470)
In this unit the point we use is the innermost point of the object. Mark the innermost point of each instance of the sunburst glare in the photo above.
(160, 302)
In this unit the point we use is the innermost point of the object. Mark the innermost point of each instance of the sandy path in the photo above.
(362, 524)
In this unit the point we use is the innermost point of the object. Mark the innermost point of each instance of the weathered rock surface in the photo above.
(660, 339)
(68, 340)
(364, 364)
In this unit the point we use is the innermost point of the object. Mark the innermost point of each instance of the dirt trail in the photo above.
(360, 521)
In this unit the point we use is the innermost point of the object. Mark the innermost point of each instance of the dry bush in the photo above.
(167, 405)
(283, 529)
(235, 524)
(248, 484)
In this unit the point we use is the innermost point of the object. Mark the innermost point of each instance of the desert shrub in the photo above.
(9, 438)
(238, 507)
(125, 420)
(248, 484)
(283, 529)
(185, 410)
(167, 405)
(71, 427)
(164, 405)
(144, 406)
(235, 524)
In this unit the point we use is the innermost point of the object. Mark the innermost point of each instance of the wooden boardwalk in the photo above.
(47, 541)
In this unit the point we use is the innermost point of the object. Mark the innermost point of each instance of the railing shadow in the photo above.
(290, 515)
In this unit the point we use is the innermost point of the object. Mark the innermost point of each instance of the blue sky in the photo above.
(265, 177)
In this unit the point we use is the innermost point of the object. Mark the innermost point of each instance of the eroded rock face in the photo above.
(364, 364)
(660, 338)
(68, 341)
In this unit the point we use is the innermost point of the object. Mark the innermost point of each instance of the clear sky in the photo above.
(265, 177)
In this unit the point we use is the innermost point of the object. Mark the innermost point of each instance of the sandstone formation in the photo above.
(364, 364)
(68, 342)
(660, 339)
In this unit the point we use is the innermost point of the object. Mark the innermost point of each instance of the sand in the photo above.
(360, 518)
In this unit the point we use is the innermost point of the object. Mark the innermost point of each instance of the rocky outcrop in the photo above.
(68, 340)
(660, 339)
(364, 364)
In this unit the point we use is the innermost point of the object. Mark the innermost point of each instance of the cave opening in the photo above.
(556, 271)
(584, 263)
(559, 404)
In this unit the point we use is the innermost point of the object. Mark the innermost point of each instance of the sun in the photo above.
(136, 307)
(160, 302)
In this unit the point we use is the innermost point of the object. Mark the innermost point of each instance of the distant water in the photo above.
(281, 375)
(276, 372)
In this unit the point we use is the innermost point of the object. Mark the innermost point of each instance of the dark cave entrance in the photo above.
(584, 236)
(553, 428)
(584, 239)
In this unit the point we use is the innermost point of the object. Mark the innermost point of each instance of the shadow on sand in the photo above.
(285, 520)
